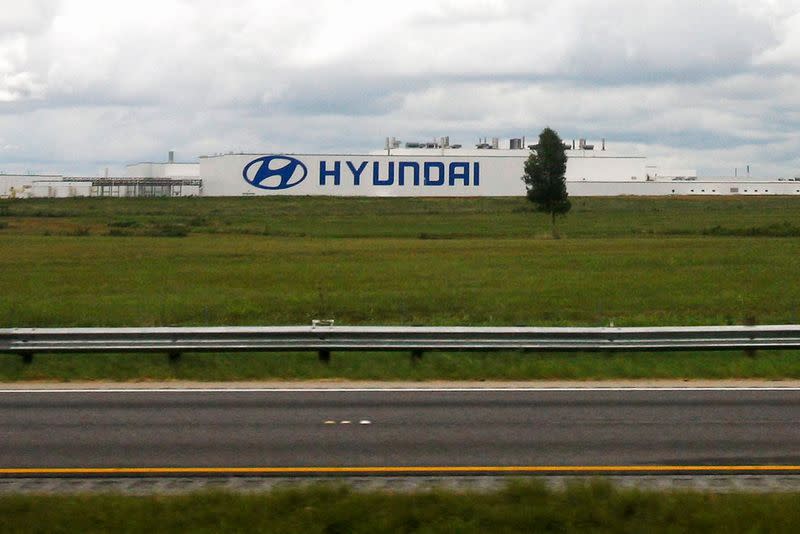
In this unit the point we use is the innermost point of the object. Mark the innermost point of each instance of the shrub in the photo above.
(80, 231)
(168, 230)
(123, 224)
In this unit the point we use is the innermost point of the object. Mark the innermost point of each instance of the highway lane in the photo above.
(415, 428)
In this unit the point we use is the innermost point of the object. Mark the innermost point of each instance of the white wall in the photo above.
(223, 175)
(583, 165)
(668, 188)
(60, 189)
(163, 170)
(20, 185)
(489, 173)
(605, 168)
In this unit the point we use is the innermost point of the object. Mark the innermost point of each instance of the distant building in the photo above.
(412, 169)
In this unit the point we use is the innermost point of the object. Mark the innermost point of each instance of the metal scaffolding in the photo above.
(139, 187)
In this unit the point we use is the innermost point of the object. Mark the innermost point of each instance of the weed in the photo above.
(522, 506)
(167, 230)
(80, 231)
(116, 232)
(127, 223)
(781, 229)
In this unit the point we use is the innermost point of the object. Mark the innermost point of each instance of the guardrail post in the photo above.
(324, 356)
(27, 358)
(750, 320)
(174, 356)
(416, 355)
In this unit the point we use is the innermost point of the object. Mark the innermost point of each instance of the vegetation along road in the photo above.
(197, 261)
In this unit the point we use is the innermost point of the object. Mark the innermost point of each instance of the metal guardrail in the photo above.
(324, 339)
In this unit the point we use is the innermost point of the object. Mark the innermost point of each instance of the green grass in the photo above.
(521, 507)
(330, 217)
(772, 365)
(273, 261)
(235, 279)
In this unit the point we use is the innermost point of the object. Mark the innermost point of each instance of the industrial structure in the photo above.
(168, 179)
(412, 169)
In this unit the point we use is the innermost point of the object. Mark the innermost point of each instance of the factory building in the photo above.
(162, 179)
(412, 169)
(41, 186)
(167, 179)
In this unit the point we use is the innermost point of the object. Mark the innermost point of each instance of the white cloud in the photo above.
(16, 83)
(21, 23)
(786, 52)
(85, 81)
(28, 17)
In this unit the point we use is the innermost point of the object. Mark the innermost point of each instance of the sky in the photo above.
(712, 85)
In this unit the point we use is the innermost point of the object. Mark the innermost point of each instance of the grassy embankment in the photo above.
(522, 507)
(143, 262)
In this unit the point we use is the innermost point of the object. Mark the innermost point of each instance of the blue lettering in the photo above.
(336, 173)
(401, 174)
(431, 173)
(376, 179)
(427, 167)
(458, 171)
(357, 171)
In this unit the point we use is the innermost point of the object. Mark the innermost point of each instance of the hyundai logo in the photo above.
(275, 172)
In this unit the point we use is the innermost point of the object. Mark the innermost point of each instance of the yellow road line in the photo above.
(531, 469)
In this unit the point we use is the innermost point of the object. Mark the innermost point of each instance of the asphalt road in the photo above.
(334, 428)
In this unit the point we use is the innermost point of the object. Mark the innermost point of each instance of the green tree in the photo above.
(544, 176)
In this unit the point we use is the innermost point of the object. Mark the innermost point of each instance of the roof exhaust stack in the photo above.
(171, 158)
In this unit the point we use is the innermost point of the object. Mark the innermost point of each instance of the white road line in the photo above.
(402, 389)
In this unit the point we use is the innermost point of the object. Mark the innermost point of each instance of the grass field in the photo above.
(415, 218)
(235, 279)
(263, 261)
(521, 507)
(777, 365)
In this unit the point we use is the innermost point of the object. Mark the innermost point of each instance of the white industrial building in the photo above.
(20, 186)
(432, 169)
(441, 169)
(41, 186)
(450, 172)
(167, 169)
(141, 180)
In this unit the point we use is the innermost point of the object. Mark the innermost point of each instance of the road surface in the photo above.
(405, 431)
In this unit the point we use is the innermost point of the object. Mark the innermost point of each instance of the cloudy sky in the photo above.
(705, 84)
